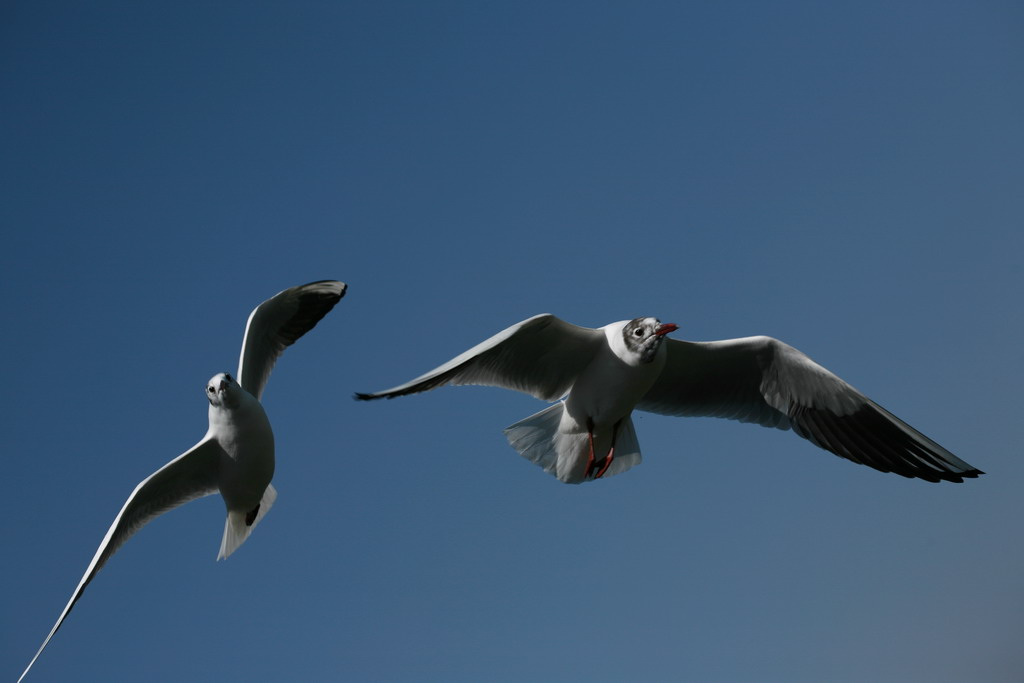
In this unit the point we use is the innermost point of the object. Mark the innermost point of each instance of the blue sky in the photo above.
(845, 178)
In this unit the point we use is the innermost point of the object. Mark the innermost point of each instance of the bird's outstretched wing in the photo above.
(762, 380)
(540, 356)
(277, 323)
(191, 475)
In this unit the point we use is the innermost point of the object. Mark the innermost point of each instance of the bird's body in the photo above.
(603, 374)
(239, 427)
(236, 455)
(601, 398)
(613, 382)
(247, 461)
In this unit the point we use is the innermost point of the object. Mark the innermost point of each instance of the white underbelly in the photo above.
(247, 465)
(608, 390)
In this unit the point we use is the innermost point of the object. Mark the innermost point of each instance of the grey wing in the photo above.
(277, 323)
(191, 475)
(762, 380)
(540, 356)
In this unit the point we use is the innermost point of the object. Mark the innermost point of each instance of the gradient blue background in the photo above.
(845, 177)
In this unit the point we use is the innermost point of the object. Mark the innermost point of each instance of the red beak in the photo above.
(666, 328)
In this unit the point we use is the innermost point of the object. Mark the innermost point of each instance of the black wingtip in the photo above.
(936, 477)
(342, 286)
(343, 290)
(363, 397)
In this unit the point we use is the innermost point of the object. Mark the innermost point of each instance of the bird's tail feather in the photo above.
(534, 437)
(564, 454)
(235, 528)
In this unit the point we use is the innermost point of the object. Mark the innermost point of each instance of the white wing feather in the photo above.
(762, 380)
(277, 323)
(540, 356)
(191, 475)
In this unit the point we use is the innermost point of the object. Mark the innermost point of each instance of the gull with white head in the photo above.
(236, 457)
(603, 374)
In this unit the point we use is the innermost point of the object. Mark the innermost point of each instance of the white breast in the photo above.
(247, 465)
(609, 388)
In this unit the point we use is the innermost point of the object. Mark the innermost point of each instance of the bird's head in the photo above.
(223, 391)
(643, 336)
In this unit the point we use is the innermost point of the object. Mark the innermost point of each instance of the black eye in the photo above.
(639, 332)
(210, 389)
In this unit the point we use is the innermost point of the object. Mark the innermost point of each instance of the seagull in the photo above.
(236, 457)
(602, 375)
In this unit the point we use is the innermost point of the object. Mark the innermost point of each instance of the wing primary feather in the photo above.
(883, 457)
(279, 322)
(870, 450)
(925, 458)
(763, 380)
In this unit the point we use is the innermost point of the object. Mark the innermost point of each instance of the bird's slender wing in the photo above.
(277, 323)
(540, 356)
(762, 380)
(191, 475)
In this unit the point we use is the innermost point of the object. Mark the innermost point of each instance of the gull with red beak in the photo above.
(236, 457)
(603, 374)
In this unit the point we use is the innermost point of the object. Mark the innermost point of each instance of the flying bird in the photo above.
(236, 457)
(603, 374)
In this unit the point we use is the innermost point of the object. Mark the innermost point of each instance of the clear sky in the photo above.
(843, 176)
